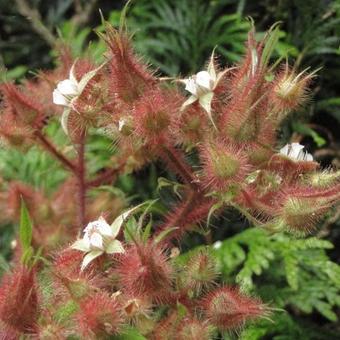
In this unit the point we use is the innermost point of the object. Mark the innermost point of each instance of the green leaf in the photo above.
(291, 268)
(129, 334)
(25, 229)
(161, 236)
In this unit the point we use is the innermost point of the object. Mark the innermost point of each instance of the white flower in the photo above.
(70, 89)
(202, 86)
(121, 124)
(66, 91)
(295, 152)
(100, 237)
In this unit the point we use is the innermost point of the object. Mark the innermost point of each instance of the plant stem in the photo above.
(53, 151)
(176, 162)
(107, 176)
(81, 173)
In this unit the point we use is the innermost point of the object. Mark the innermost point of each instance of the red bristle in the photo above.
(224, 165)
(228, 309)
(144, 270)
(19, 300)
(99, 316)
(129, 76)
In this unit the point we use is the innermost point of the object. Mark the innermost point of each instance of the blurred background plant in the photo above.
(177, 37)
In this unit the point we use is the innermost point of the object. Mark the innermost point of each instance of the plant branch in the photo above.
(81, 174)
(107, 176)
(83, 13)
(33, 15)
(53, 151)
(177, 163)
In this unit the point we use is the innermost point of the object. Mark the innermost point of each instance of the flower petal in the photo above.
(90, 257)
(68, 87)
(96, 240)
(205, 102)
(87, 77)
(204, 80)
(82, 245)
(103, 227)
(190, 85)
(188, 102)
(64, 120)
(59, 99)
(118, 222)
(115, 246)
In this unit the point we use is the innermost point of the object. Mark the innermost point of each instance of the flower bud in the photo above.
(200, 272)
(99, 315)
(19, 300)
(289, 90)
(223, 165)
(227, 309)
(144, 270)
(300, 215)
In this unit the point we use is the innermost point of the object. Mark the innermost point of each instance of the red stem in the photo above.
(177, 163)
(53, 151)
(81, 182)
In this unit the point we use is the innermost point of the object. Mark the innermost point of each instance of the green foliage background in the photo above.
(299, 277)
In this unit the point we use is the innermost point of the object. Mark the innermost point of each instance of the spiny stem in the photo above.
(176, 161)
(81, 173)
(106, 176)
(53, 151)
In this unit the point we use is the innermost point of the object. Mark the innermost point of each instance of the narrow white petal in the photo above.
(90, 257)
(204, 79)
(115, 246)
(59, 99)
(205, 102)
(118, 222)
(87, 77)
(64, 120)
(211, 67)
(188, 102)
(82, 245)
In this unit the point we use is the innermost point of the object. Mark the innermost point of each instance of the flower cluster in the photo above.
(217, 136)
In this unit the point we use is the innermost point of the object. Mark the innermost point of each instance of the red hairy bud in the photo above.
(154, 115)
(289, 90)
(300, 214)
(23, 108)
(129, 76)
(193, 329)
(223, 165)
(19, 300)
(144, 270)
(200, 272)
(99, 316)
(228, 309)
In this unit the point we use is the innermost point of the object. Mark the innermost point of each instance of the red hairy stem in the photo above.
(107, 176)
(81, 174)
(53, 151)
(177, 163)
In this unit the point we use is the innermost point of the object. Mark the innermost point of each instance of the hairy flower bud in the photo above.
(144, 270)
(200, 272)
(289, 90)
(99, 316)
(19, 300)
(223, 165)
(300, 214)
(228, 309)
